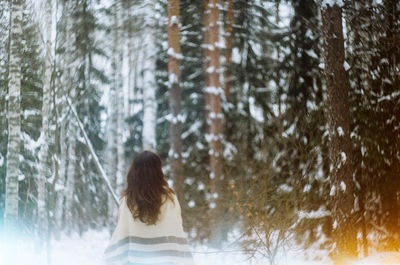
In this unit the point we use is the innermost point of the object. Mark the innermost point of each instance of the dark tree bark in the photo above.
(228, 51)
(175, 130)
(213, 93)
(340, 150)
(206, 53)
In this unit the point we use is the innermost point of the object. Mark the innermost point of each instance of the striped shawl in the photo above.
(135, 243)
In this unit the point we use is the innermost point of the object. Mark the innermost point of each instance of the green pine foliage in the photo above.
(304, 163)
(194, 146)
(374, 97)
(31, 118)
(89, 79)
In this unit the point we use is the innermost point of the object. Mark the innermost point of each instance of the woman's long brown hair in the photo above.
(146, 186)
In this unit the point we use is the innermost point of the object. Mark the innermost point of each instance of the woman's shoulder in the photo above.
(122, 199)
(171, 199)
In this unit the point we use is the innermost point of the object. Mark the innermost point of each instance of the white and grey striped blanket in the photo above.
(135, 243)
(157, 250)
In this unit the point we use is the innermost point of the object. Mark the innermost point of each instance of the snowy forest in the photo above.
(278, 123)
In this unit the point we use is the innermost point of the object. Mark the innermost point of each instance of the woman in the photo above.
(149, 228)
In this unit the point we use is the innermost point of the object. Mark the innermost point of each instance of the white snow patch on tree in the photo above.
(384, 61)
(335, 224)
(213, 137)
(172, 79)
(192, 129)
(213, 90)
(174, 21)
(346, 66)
(175, 118)
(321, 212)
(200, 186)
(307, 188)
(191, 204)
(343, 157)
(285, 188)
(325, 3)
(343, 185)
(210, 69)
(229, 151)
(333, 190)
(312, 53)
(212, 175)
(59, 187)
(214, 115)
(389, 97)
(220, 44)
(171, 52)
(207, 46)
(340, 131)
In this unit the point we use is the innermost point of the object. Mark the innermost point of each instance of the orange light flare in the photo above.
(380, 258)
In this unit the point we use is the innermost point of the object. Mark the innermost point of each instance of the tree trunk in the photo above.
(132, 61)
(114, 113)
(65, 63)
(214, 91)
(214, 119)
(149, 83)
(206, 52)
(14, 115)
(340, 150)
(70, 185)
(121, 96)
(175, 122)
(120, 146)
(61, 189)
(228, 51)
(44, 147)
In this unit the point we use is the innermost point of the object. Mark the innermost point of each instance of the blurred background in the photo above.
(278, 122)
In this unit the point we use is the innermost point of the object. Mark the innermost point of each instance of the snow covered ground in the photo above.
(88, 249)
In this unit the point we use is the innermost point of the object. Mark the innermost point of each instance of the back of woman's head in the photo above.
(146, 187)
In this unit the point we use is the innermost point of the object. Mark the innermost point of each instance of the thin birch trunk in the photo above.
(70, 182)
(114, 112)
(340, 149)
(14, 115)
(149, 83)
(131, 67)
(111, 147)
(175, 122)
(120, 148)
(93, 153)
(120, 177)
(61, 190)
(65, 85)
(44, 148)
(120, 141)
